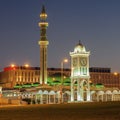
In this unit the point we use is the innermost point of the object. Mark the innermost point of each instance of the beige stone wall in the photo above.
(6, 101)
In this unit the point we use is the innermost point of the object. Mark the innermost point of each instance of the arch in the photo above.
(115, 95)
(58, 92)
(108, 92)
(40, 92)
(52, 92)
(115, 92)
(100, 96)
(66, 96)
(45, 92)
(100, 92)
(108, 95)
(119, 91)
(92, 92)
(74, 81)
(93, 95)
(68, 92)
(83, 81)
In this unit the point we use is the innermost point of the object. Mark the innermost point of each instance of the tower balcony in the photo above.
(43, 42)
(43, 24)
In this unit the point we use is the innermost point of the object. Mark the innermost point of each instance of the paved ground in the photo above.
(78, 111)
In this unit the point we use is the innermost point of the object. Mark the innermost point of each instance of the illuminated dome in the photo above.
(79, 48)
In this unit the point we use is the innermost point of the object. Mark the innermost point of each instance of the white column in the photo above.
(106, 97)
(36, 99)
(59, 97)
(54, 98)
(41, 99)
(97, 97)
(88, 91)
(88, 95)
(72, 90)
(81, 92)
(102, 97)
(49, 99)
(112, 98)
(78, 90)
(62, 97)
(69, 98)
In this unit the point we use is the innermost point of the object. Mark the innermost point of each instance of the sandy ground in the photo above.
(71, 111)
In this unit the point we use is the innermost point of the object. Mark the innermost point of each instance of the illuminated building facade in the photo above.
(11, 76)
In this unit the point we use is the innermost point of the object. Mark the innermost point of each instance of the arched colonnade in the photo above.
(108, 95)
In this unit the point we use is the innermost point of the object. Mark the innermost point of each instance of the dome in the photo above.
(79, 48)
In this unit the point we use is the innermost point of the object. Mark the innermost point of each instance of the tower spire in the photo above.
(43, 42)
(80, 43)
(43, 9)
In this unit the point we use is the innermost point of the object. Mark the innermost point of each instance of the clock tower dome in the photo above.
(80, 73)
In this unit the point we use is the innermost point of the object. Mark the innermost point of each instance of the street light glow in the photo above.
(12, 65)
(26, 65)
(115, 73)
(65, 60)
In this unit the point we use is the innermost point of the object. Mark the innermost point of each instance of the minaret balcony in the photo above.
(43, 42)
(43, 24)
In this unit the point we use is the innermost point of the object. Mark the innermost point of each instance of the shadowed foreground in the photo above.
(77, 111)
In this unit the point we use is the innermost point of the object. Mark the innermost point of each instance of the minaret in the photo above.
(43, 42)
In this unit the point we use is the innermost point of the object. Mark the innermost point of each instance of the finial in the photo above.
(80, 43)
(43, 14)
(43, 9)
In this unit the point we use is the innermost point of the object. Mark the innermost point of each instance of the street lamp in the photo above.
(12, 65)
(116, 75)
(62, 68)
(26, 65)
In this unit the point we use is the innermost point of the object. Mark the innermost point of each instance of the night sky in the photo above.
(95, 22)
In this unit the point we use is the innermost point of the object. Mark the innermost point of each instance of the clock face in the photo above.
(83, 61)
(74, 61)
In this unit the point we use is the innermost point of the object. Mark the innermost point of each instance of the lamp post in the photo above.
(116, 75)
(62, 68)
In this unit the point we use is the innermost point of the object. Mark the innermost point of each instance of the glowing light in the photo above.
(90, 81)
(43, 24)
(64, 77)
(43, 16)
(65, 60)
(12, 65)
(115, 73)
(26, 65)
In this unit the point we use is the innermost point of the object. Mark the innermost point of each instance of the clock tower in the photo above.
(80, 88)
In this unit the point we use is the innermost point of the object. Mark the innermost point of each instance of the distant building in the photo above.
(100, 70)
(12, 76)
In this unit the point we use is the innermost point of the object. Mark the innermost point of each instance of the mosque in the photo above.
(79, 90)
